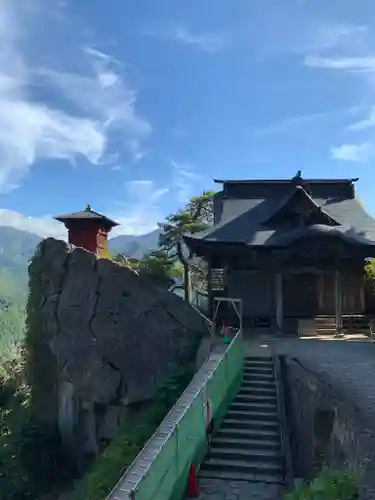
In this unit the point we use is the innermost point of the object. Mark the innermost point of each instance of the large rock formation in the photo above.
(105, 334)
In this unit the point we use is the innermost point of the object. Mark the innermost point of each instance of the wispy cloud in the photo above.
(210, 42)
(186, 181)
(325, 36)
(357, 56)
(290, 123)
(291, 30)
(363, 63)
(31, 131)
(353, 152)
(102, 93)
(364, 124)
(141, 210)
(287, 124)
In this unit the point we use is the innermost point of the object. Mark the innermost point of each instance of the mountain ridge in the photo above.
(17, 247)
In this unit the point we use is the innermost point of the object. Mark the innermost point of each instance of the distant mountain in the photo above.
(16, 249)
(134, 246)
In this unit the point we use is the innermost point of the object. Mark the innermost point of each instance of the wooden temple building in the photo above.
(290, 249)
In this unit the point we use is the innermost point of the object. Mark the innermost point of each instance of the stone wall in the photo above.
(328, 429)
(99, 337)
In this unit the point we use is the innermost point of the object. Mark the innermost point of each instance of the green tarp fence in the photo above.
(161, 469)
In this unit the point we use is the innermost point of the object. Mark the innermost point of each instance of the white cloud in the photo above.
(364, 124)
(44, 226)
(324, 36)
(186, 181)
(141, 211)
(139, 214)
(364, 63)
(353, 152)
(206, 42)
(286, 124)
(30, 131)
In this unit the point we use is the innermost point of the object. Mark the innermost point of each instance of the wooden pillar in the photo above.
(321, 292)
(279, 300)
(338, 301)
(209, 290)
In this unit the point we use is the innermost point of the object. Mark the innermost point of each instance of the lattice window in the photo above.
(217, 279)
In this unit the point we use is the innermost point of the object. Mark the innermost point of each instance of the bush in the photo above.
(328, 485)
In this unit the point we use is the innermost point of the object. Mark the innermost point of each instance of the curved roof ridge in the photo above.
(300, 189)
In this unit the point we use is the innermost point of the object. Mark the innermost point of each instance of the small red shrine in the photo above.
(88, 230)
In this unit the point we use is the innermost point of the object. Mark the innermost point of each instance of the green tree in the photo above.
(159, 267)
(370, 273)
(196, 216)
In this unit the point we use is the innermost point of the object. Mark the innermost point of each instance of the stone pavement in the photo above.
(218, 489)
(347, 363)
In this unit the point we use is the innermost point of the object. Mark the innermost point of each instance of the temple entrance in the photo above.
(300, 294)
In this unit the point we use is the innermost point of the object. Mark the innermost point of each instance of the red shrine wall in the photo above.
(102, 242)
(91, 239)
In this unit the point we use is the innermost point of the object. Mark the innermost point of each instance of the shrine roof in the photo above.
(244, 217)
(84, 215)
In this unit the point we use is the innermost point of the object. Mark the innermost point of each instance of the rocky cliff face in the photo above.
(104, 335)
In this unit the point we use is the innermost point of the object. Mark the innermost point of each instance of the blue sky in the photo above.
(135, 106)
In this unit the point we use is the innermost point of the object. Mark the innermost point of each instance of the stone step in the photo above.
(249, 434)
(258, 382)
(326, 331)
(253, 415)
(261, 477)
(261, 359)
(256, 364)
(238, 465)
(258, 371)
(248, 455)
(254, 397)
(247, 444)
(258, 376)
(254, 406)
(260, 391)
(249, 424)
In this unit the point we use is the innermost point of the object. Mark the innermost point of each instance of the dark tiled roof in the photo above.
(281, 181)
(291, 197)
(87, 214)
(242, 221)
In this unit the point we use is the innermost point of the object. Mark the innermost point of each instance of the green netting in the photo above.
(189, 436)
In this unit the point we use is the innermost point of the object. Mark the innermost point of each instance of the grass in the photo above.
(328, 485)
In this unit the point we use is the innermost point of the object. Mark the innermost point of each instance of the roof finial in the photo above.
(298, 175)
(88, 208)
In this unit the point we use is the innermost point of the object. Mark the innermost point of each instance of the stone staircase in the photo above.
(356, 324)
(352, 324)
(247, 447)
(325, 325)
